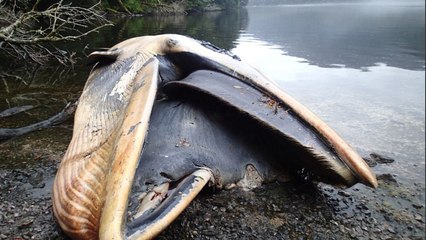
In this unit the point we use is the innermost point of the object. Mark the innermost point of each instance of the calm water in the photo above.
(359, 67)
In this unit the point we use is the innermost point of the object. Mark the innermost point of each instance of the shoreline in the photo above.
(294, 210)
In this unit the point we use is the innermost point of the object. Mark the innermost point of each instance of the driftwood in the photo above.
(15, 110)
(66, 113)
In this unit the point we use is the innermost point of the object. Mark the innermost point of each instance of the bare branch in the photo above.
(59, 22)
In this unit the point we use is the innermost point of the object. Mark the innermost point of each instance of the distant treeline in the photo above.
(171, 6)
(136, 6)
(274, 2)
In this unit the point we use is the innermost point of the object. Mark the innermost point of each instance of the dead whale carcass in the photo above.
(162, 116)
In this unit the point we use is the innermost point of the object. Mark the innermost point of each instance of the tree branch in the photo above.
(59, 22)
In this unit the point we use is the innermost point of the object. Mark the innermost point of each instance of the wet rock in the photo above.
(381, 159)
(376, 158)
(387, 178)
(370, 162)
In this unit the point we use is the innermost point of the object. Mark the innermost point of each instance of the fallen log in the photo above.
(15, 110)
(66, 113)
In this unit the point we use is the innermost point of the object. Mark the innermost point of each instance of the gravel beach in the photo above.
(294, 210)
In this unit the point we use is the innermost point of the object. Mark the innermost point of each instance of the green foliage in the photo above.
(196, 5)
(135, 6)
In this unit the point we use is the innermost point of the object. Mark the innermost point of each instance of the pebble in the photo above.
(419, 218)
(418, 206)
(25, 222)
(344, 194)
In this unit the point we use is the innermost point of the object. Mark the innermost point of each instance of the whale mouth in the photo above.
(159, 207)
(214, 125)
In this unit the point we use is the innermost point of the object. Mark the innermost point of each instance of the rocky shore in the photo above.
(294, 210)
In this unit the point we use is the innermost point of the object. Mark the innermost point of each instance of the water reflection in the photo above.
(220, 28)
(351, 35)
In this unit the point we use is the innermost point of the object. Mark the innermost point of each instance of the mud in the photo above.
(294, 210)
